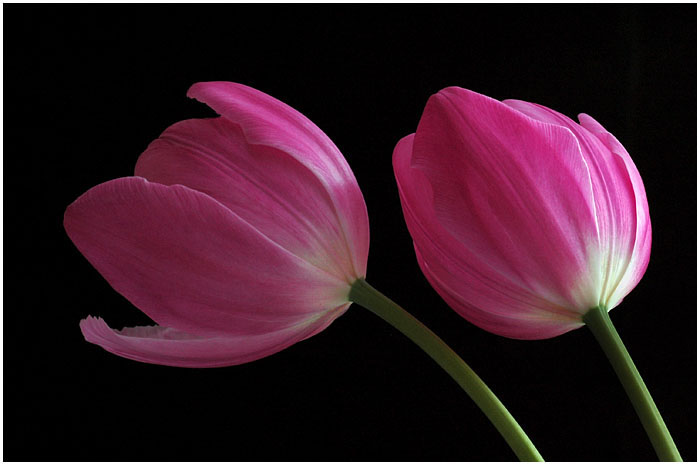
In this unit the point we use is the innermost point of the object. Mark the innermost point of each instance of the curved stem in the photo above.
(598, 320)
(365, 295)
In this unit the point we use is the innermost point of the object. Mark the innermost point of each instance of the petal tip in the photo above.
(403, 146)
(90, 324)
(197, 88)
(207, 90)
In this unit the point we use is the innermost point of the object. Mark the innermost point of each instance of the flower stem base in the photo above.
(365, 295)
(598, 320)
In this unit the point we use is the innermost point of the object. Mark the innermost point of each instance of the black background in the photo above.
(86, 89)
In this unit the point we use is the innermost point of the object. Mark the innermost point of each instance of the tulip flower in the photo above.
(241, 235)
(527, 223)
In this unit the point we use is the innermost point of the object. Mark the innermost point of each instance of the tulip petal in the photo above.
(479, 293)
(191, 264)
(273, 192)
(515, 192)
(167, 346)
(266, 121)
(642, 237)
(617, 201)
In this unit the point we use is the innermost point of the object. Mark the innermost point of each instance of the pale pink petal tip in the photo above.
(167, 346)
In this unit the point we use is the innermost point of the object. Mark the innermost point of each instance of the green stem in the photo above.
(598, 320)
(367, 296)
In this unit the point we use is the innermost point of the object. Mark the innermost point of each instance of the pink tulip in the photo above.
(239, 235)
(522, 219)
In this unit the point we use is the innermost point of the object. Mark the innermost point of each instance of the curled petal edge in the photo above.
(268, 121)
(166, 346)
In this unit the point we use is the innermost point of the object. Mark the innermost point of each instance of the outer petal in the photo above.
(272, 191)
(269, 122)
(167, 346)
(642, 237)
(479, 293)
(191, 264)
(515, 192)
(615, 198)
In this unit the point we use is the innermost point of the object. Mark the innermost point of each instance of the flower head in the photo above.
(522, 219)
(239, 235)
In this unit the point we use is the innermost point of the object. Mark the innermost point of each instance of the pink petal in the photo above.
(617, 200)
(167, 346)
(266, 121)
(482, 294)
(191, 264)
(270, 190)
(642, 236)
(515, 192)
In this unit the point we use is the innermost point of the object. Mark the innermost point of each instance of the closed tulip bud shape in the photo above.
(239, 235)
(529, 224)
(522, 219)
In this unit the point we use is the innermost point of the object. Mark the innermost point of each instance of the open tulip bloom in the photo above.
(239, 236)
(528, 224)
